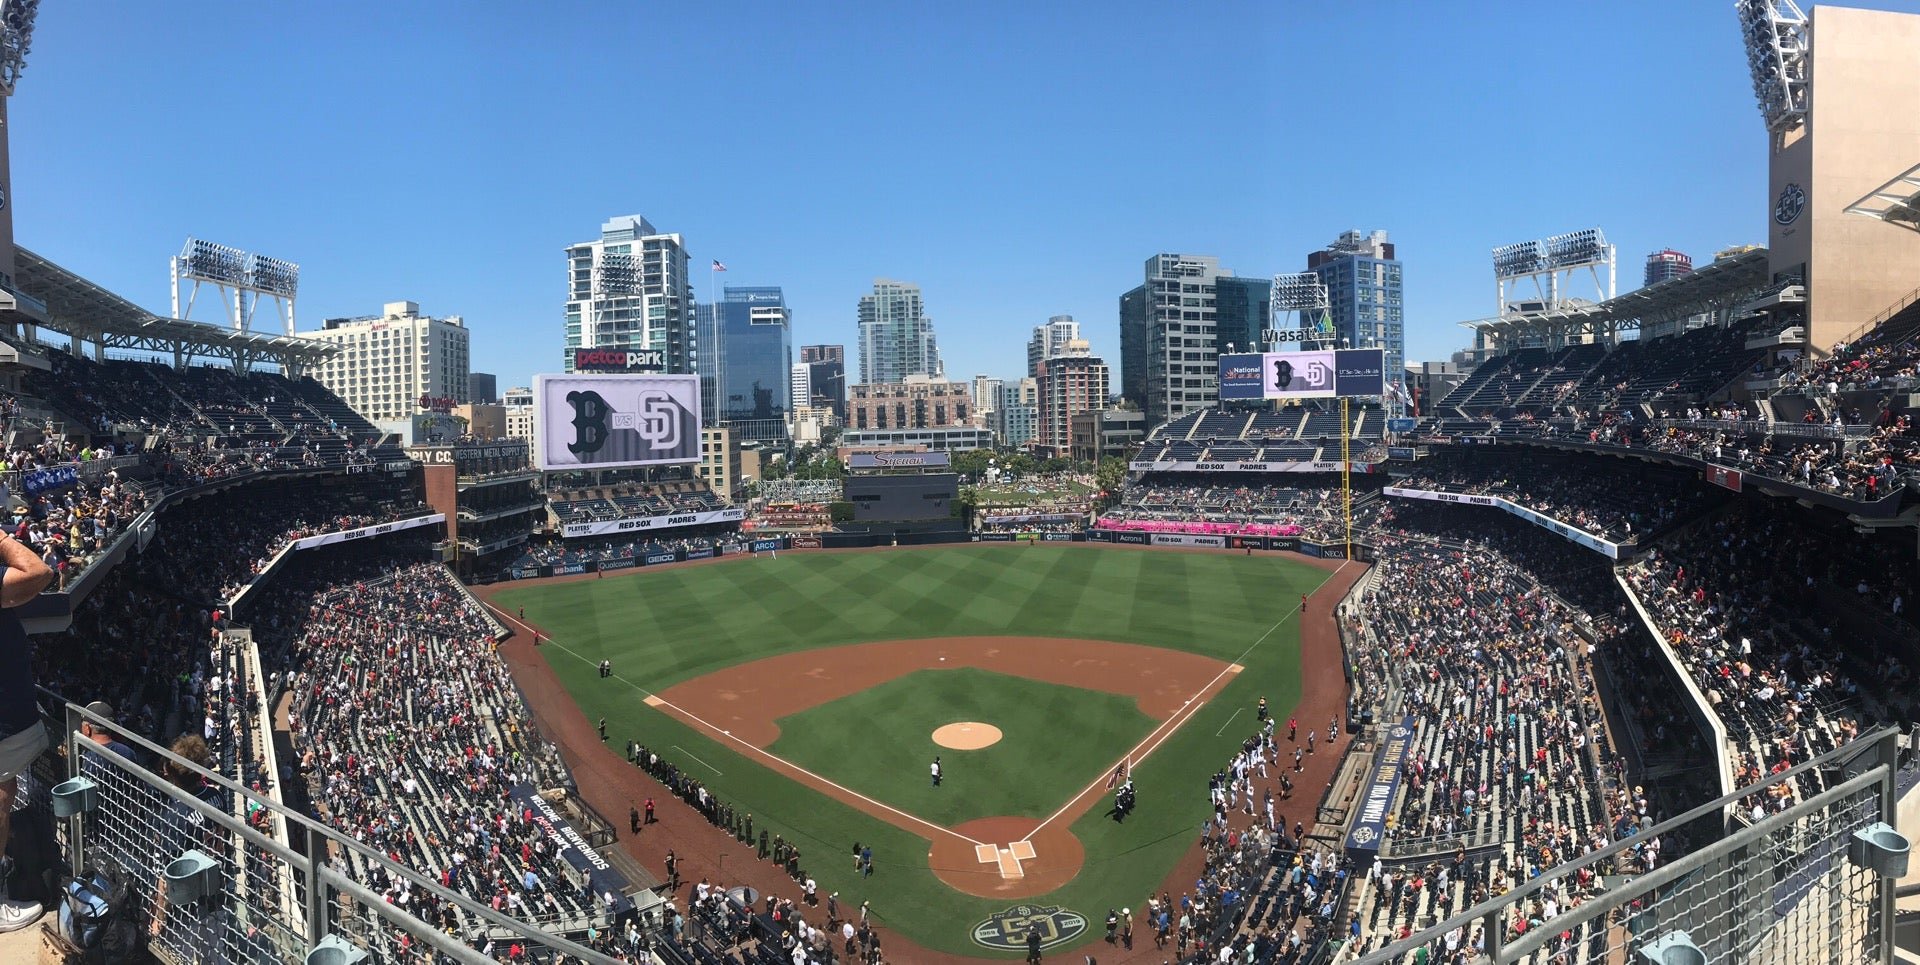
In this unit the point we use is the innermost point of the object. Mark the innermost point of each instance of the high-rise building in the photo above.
(1073, 382)
(1666, 265)
(1364, 295)
(896, 336)
(1133, 346)
(986, 394)
(828, 378)
(800, 384)
(1017, 415)
(1050, 340)
(630, 290)
(482, 387)
(389, 361)
(1182, 360)
(1242, 308)
(752, 351)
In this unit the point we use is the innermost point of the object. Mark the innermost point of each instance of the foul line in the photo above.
(691, 754)
(1166, 729)
(655, 700)
(1223, 727)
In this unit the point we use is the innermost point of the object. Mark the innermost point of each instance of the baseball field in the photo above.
(814, 690)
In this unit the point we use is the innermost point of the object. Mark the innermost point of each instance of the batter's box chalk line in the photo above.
(1008, 858)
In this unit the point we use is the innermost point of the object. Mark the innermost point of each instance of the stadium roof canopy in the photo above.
(1724, 284)
(1896, 202)
(87, 312)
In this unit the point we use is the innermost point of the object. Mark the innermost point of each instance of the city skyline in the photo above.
(1069, 234)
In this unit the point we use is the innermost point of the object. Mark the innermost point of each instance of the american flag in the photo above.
(717, 266)
(1119, 774)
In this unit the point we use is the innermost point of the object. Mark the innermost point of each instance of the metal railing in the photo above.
(1784, 890)
(267, 901)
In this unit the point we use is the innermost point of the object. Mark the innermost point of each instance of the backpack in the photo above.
(93, 917)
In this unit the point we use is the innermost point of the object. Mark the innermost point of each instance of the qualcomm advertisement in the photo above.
(1303, 375)
(1582, 537)
(1370, 827)
(641, 523)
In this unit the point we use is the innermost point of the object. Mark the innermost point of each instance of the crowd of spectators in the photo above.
(630, 500)
(1888, 357)
(1620, 507)
(1784, 683)
(412, 738)
(1220, 506)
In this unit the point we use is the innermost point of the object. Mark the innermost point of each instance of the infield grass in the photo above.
(663, 625)
(880, 742)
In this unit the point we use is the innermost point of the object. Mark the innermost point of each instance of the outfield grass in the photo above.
(664, 625)
(880, 742)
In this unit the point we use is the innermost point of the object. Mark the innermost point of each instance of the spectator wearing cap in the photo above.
(102, 734)
(25, 577)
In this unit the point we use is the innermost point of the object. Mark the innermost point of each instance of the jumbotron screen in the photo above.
(610, 421)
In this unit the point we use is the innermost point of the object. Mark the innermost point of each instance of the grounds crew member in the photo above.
(936, 770)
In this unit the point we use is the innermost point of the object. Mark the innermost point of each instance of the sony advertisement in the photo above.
(1303, 375)
(609, 421)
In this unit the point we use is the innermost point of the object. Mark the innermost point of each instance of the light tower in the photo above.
(16, 37)
(1552, 265)
(1775, 32)
(1299, 312)
(241, 278)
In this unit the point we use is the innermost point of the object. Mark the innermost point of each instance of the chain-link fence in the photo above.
(1797, 887)
(212, 889)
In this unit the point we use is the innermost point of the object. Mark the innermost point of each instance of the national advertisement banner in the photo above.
(1128, 536)
(609, 527)
(1360, 371)
(609, 421)
(765, 545)
(623, 563)
(1724, 478)
(1058, 537)
(1375, 804)
(996, 537)
(703, 553)
(1036, 518)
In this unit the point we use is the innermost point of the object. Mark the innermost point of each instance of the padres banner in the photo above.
(1376, 802)
(609, 421)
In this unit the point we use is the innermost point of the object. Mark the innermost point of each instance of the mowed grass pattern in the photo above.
(663, 625)
(880, 743)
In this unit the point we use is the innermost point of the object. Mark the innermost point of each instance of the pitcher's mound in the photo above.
(967, 736)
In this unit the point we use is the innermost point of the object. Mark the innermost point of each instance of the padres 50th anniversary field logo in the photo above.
(1007, 930)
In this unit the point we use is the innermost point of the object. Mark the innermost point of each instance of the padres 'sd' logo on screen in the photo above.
(659, 419)
(1007, 931)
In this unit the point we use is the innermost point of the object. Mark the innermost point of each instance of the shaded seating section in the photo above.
(1767, 658)
(630, 500)
(1619, 504)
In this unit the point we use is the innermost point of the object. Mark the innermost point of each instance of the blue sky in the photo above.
(1016, 160)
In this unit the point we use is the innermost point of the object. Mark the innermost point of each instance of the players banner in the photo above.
(328, 539)
(1571, 534)
(1185, 539)
(608, 421)
(605, 527)
(1303, 375)
(1369, 829)
(586, 863)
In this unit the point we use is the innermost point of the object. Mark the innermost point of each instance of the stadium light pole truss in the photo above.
(1775, 34)
(1896, 202)
(241, 278)
(16, 38)
(1296, 306)
(1552, 265)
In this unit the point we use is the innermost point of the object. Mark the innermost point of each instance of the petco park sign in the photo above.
(612, 527)
(618, 360)
(899, 460)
